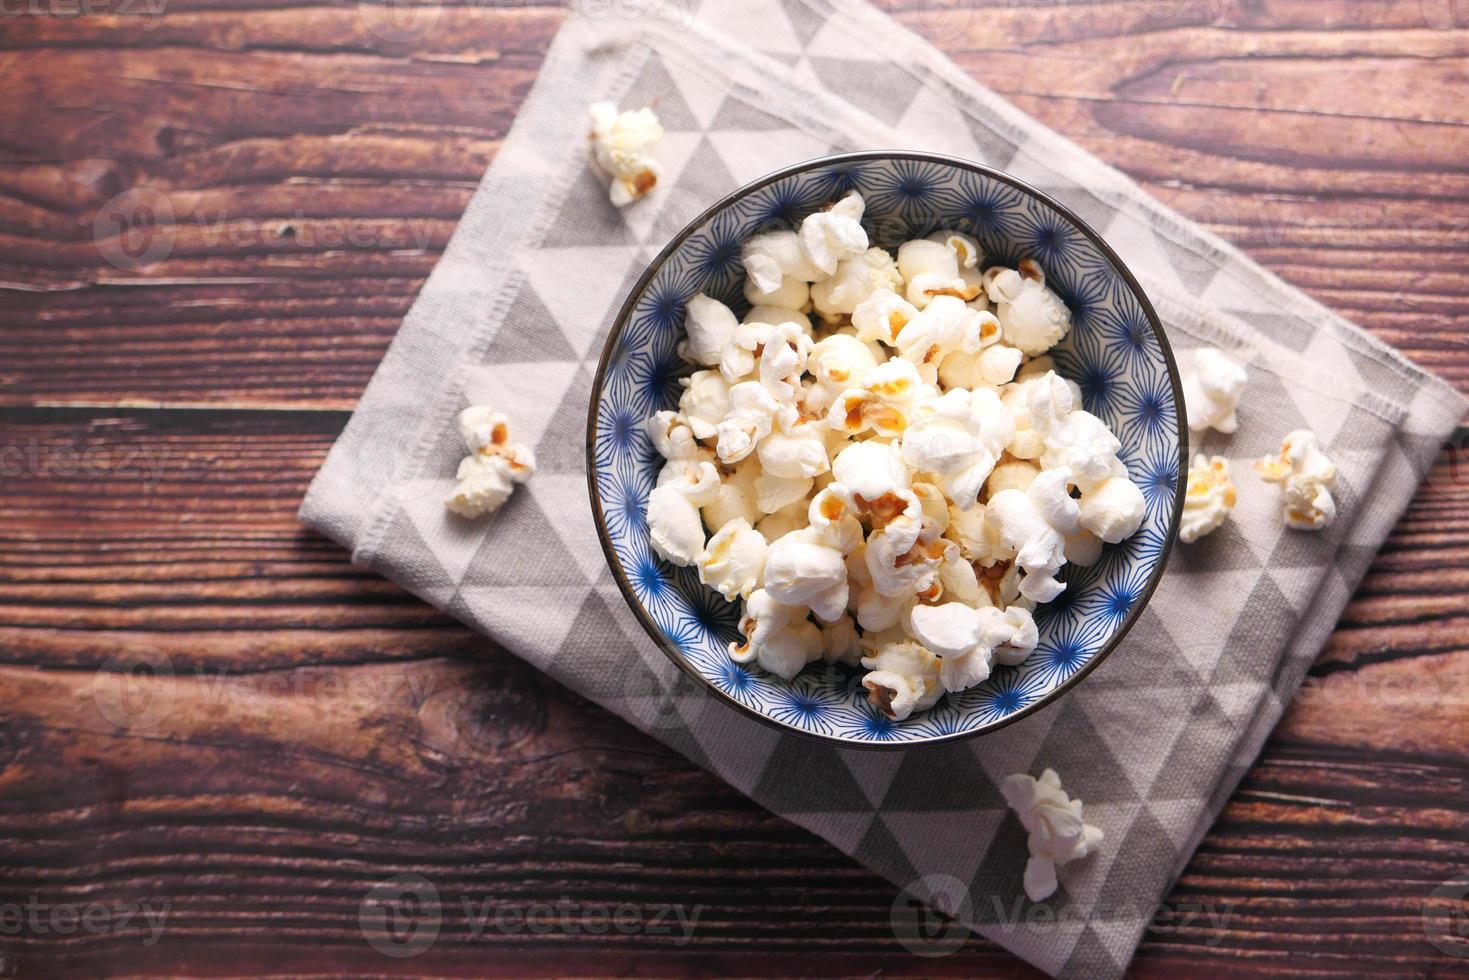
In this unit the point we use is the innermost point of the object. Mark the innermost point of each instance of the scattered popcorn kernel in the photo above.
(623, 144)
(1307, 477)
(488, 475)
(1212, 382)
(1209, 498)
(1057, 833)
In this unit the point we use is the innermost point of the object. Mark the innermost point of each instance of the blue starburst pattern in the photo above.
(905, 192)
(804, 707)
(1006, 692)
(1112, 352)
(868, 726)
(1115, 600)
(836, 180)
(1147, 411)
(1157, 475)
(783, 205)
(1059, 657)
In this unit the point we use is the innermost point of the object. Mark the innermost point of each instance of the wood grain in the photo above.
(325, 731)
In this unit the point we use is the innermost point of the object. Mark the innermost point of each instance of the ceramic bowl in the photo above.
(1116, 351)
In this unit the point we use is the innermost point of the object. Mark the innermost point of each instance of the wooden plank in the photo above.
(323, 730)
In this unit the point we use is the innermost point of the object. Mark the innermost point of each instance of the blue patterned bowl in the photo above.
(1116, 351)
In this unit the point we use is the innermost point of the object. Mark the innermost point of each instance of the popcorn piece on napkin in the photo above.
(1209, 499)
(1057, 832)
(1212, 382)
(622, 145)
(1307, 477)
(487, 476)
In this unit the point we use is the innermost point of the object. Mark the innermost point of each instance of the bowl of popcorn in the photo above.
(886, 449)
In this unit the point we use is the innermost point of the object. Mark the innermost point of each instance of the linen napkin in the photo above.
(515, 314)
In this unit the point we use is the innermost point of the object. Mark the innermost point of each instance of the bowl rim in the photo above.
(624, 315)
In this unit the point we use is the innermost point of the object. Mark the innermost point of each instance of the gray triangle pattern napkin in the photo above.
(514, 315)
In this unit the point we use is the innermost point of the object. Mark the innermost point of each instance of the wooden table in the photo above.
(319, 730)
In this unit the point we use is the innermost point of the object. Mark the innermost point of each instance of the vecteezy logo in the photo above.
(400, 916)
(398, 21)
(133, 688)
(1446, 917)
(926, 915)
(135, 229)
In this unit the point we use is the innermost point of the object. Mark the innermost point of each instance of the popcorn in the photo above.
(1083, 548)
(882, 316)
(1033, 317)
(777, 314)
(1084, 447)
(775, 256)
(751, 417)
(1033, 525)
(885, 401)
(945, 326)
(839, 361)
(736, 497)
(959, 581)
(840, 643)
(708, 324)
(993, 366)
(1212, 382)
(1012, 474)
(875, 474)
(1307, 477)
(1209, 498)
(779, 524)
(829, 236)
(797, 452)
(674, 525)
(903, 678)
(704, 403)
(1054, 822)
(783, 354)
(978, 538)
(1029, 440)
(969, 641)
(966, 250)
(778, 637)
(774, 494)
(958, 437)
(857, 277)
(900, 564)
(1113, 510)
(792, 294)
(733, 560)
(900, 493)
(487, 476)
(622, 146)
(738, 358)
(804, 568)
(931, 268)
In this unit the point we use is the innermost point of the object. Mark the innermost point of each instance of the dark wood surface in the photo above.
(326, 731)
